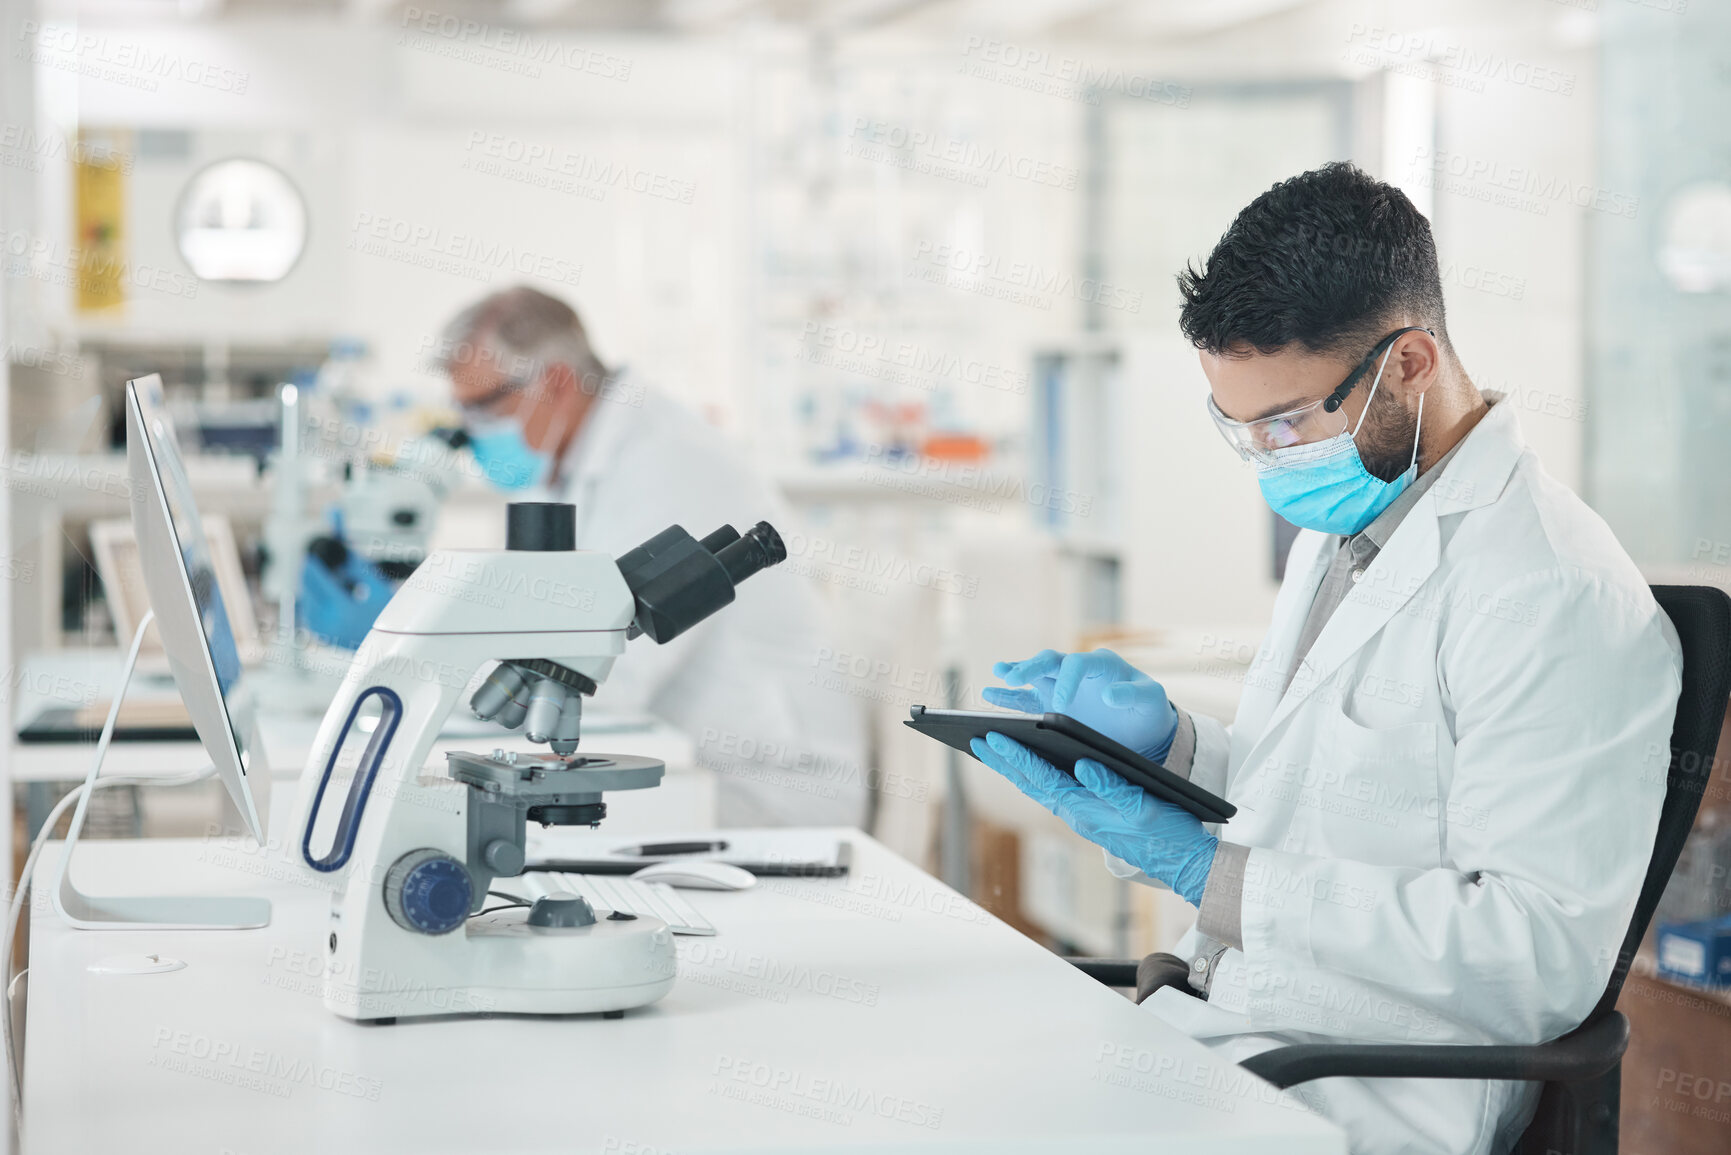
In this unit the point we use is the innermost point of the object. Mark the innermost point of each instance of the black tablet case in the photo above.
(1062, 740)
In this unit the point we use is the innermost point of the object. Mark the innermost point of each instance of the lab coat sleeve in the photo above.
(1562, 688)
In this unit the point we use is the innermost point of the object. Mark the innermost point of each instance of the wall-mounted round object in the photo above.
(1695, 254)
(241, 220)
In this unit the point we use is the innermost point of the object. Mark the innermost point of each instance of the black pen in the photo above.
(660, 849)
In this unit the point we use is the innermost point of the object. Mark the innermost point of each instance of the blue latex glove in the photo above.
(1161, 840)
(1098, 689)
(340, 606)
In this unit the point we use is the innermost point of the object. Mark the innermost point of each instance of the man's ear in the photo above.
(1418, 359)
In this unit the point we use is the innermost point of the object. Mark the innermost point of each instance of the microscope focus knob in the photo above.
(428, 892)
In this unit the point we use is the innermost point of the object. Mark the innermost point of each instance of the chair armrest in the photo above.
(1583, 1053)
(1114, 972)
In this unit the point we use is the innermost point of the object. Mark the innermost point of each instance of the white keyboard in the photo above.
(617, 892)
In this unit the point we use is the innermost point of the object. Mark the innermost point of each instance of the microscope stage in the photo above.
(515, 772)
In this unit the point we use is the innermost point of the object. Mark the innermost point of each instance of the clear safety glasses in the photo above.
(508, 397)
(1257, 440)
(509, 383)
(494, 405)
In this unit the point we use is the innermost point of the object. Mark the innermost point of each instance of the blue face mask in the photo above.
(1324, 485)
(505, 458)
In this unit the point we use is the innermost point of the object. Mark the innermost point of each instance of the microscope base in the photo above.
(500, 965)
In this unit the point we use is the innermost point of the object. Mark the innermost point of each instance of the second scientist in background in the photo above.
(548, 421)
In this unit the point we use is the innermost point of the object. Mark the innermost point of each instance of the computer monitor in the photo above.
(191, 617)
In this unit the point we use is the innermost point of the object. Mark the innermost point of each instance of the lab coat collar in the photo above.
(1475, 478)
(1480, 470)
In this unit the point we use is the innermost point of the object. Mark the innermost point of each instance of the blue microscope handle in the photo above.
(360, 786)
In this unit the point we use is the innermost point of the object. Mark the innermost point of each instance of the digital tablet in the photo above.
(1061, 740)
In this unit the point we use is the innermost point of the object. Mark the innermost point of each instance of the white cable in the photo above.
(26, 877)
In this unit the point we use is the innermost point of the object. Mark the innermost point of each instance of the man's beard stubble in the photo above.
(1385, 440)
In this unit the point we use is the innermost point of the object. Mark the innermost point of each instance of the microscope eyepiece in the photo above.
(760, 548)
(720, 539)
(678, 581)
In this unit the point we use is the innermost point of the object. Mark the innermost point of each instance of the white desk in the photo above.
(877, 1012)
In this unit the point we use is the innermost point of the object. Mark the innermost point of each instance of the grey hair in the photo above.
(521, 332)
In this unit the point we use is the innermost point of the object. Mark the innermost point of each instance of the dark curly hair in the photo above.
(1327, 259)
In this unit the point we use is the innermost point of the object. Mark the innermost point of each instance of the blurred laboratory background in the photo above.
(915, 258)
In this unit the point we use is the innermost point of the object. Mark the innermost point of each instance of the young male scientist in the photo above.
(548, 421)
(1444, 755)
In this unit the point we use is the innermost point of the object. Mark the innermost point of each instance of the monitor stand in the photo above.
(164, 912)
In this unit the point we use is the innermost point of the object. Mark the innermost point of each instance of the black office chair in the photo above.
(1582, 1070)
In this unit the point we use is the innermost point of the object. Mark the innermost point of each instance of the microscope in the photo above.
(409, 855)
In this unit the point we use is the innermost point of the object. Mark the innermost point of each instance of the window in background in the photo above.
(1659, 299)
(241, 220)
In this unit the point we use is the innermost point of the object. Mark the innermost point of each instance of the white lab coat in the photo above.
(742, 684)
(1453, 806)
